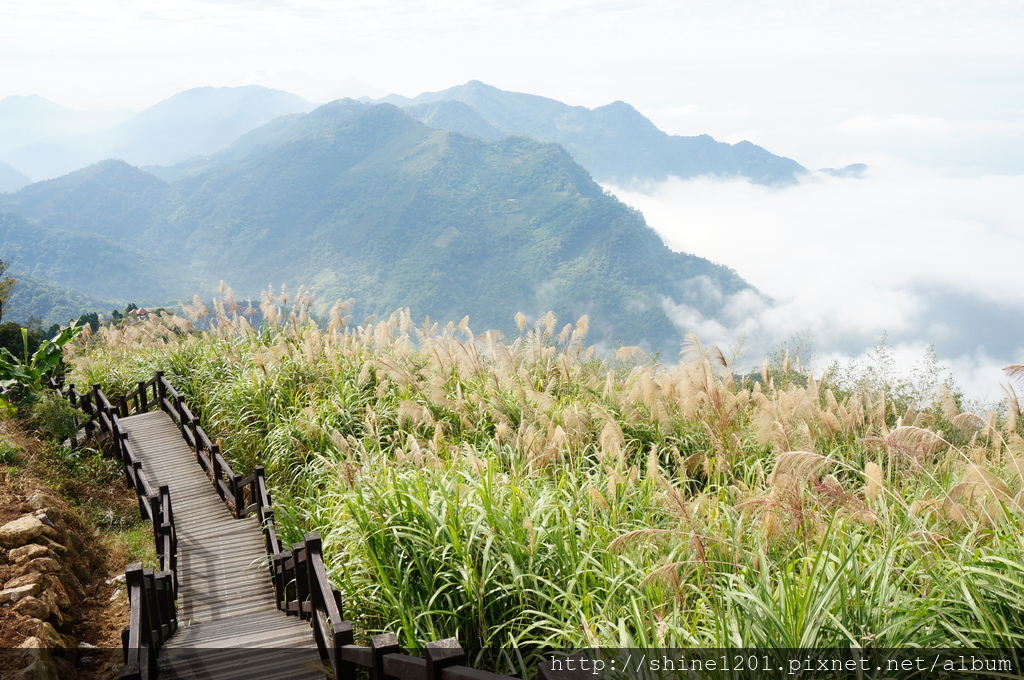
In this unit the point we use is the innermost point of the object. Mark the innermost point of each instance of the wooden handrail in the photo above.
(153, 612)
(299, 575)
(152, 620)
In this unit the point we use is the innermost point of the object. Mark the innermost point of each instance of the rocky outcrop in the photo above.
(40, 589)
(20, 531)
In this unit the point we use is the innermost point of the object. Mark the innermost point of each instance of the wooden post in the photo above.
(129, 471)
(161, 390)
(217, 471)
(151, 618)
(277, 565)
(165, 604)
(343, 635)
(125, 633)
(259, 489)
(140, 400)
(179, 404)
(136, 468)
(133, 575)
(99, 404)
(155, 516)
(239, 498)
(385, 643)
(86, 405)
(133, 638)
(122, 446)
(312, 545)
(193, 426)
(301, 555)
(441, 655)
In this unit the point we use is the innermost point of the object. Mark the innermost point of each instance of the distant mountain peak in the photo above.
(11, 179)
(615, 142)
(852, 171)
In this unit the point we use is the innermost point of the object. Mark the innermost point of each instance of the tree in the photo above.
(6, 286)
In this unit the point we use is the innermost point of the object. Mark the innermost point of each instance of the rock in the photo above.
(52, 545)
(38, 500)
(3, 556)
(48, 517)
(40, 662)
(43, 565)
(65, 669)
(18, 592)
(28, 552)
(49, 636)
(72, 584)
(48, 531)
(35, 578)
(33, 608)
(50, 600)
(52, 584)
(18, 532)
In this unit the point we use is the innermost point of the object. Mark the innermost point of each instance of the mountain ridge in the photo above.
(365, 201)
(615, 142)
(196, 121)
(11, 179)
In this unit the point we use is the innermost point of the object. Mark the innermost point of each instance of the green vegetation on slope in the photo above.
(527, 492)
(91, 264)
(364, 202)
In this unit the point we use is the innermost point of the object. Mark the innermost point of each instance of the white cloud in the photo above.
(907, 252)
(924, 125)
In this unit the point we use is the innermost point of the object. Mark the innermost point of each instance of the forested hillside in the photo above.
(363, 201)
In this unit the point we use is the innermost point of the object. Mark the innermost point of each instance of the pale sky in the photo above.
(767, 70)
(929, 93)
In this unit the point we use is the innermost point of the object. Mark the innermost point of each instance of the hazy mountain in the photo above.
(198, 121)
(320, 122)
(89, 263)
(11, 179)
(32, 119)
(111, 199)
(51, 303)
(614, 142)
(457, 117)
(854, 171)
(364, 201)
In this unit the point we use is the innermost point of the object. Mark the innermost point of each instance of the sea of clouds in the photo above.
(904, 252)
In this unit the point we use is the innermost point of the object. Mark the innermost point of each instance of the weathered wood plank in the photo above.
(226, 599)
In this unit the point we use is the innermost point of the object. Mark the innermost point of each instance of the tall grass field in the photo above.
(532, 491)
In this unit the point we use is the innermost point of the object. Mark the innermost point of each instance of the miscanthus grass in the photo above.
(528, 492)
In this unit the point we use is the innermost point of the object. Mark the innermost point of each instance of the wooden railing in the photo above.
(152, 619)
(300, 579)
(153, 613)
(299, 575)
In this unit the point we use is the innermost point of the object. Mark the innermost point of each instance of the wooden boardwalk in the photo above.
(227, 612)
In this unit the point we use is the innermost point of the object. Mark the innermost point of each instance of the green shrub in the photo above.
(8, 452)
(55, 418)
